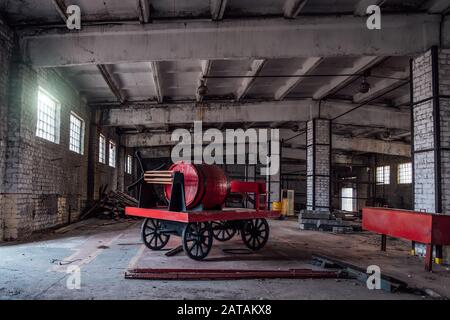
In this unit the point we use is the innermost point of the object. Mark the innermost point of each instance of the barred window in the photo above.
(76, 133)
(101, 149)
(47, 117)
(129, 164)
(405, 173)
(112, 154)
(383, 175)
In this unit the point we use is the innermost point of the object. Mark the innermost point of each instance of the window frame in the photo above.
(129, 164)
(386, 173)
(112, 147)
(408, 170)
(81, 133)
(101, 150)
(57, 117)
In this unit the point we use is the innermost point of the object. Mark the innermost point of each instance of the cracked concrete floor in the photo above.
(37, 269)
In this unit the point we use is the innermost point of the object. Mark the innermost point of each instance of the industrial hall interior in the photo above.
(224, 149)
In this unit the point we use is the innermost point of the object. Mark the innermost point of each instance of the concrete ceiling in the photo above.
(43, 11)
(231, 80)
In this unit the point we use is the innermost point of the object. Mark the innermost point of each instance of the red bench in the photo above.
(430, 229)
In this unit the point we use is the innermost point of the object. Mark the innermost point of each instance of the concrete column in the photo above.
(430, 89)
(121, 169)
(318, 137)
(273, 182)
(431, 131)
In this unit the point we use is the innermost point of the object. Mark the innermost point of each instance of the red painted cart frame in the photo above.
(200, 216)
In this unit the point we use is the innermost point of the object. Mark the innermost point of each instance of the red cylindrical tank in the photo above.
(204, 184)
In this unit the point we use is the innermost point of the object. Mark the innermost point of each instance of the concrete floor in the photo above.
(105, 249)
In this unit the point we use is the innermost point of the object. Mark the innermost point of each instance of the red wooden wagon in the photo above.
(196, 194)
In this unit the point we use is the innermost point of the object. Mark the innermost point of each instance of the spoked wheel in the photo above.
(222, 230)
(197, 240)
(152, 236)
(255, 233)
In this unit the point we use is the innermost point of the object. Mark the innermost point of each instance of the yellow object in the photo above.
(277, 206)
(285, 207)
(438, 260)
(288, 202)
(412, 252)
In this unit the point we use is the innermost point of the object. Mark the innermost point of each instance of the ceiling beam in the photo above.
(111, 82)
(362, 5)
(61, 7)
(307, 67)
(156, 76)
(206, 68)
(339, 143)
(249, 80)
(261, 112)
(382, 86)
(218, 9)
(339, 82)
(437, 6)
(144, 10)
(272, 38)
(292, 8)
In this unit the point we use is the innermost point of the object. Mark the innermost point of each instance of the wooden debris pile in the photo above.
(111, 205)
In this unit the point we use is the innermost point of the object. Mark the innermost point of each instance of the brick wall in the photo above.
(6, 46)
(424, 135)
(318, 164)
(45, 184)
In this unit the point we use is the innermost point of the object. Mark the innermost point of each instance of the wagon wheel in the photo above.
(152, 236)
(222, 230)
(255, 233)
(197, 239)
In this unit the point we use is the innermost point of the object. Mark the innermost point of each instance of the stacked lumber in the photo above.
(158, 177)
(111, 205)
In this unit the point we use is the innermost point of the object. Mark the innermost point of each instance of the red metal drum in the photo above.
(204, 184)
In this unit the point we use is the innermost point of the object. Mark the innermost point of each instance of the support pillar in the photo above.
(318, 137)
(430, 88)
(273, 182)
(121, 169)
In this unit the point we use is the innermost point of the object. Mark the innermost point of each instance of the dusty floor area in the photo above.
(104, 250)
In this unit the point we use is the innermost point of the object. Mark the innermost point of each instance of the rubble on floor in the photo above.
(336, 221)
(110, 205)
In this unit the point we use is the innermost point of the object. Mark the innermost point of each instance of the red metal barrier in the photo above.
(427, 228)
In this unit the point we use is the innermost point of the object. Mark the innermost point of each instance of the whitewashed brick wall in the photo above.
(318, 180)
(423, 119)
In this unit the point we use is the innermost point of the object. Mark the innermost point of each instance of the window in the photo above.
(76, 133)
(404, 173)
(383, 175)
(47, 117)
(101, 149)
(347, 199)
(129, 164)
(112, 154)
